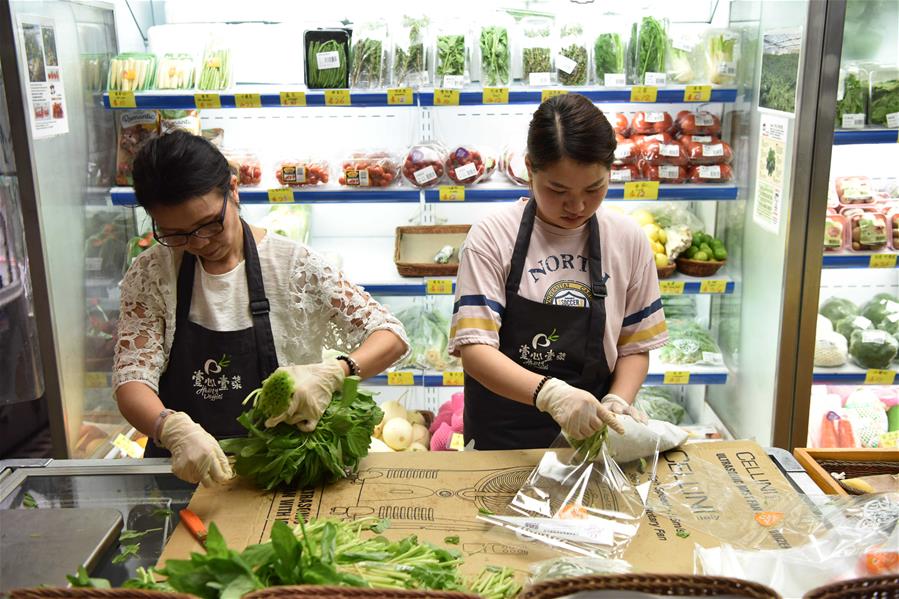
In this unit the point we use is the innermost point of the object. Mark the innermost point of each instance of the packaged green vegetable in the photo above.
(572, 66)
(836, 309)
(451, 56)
(369, 56)
(215, 72)
(884, 106)
(649, 52)
(659, 403)
(609, 51)
(495, 56)
(327, 58)
(131, 72)
(722, 49)
(852, 98)
(537, 46)
(410, 56)
(683, 61)
(689, 343)
(873, 349)
(428, 329)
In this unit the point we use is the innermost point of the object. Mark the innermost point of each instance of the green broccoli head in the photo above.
(836, 309)
(873, 349)
(277, 391)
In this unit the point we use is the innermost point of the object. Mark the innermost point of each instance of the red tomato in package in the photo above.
(649, 122)
(299, 173)
(664, 173)
(664, 138)
(686, 140)
(717, 152)
(698, 123)
(424, 165)
(620, 124)
(465, 165)
(624, 173)
(626, 152)
(655, 153)
(369, 169)
(717, 173)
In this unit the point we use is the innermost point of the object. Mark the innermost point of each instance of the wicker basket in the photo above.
(61, 593)
(300, 592)
(428, 241)
(666, 271)
(662, 584)
(699, 268)
(819, 463)
(878, 587)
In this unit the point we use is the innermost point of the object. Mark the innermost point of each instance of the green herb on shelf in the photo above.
(409, 64)
(608, 54)
(536, 60)
(578, 76)
(368, 63)
(495, 57)
(884, 101)
(855, 96)
(651, 44)
(450, 55)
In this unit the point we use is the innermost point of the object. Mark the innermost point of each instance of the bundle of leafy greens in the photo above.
(651, 44)
(409, 62)
(495, 56)
(428, 329)
(284, 455)
(687, 344)
(608, 55)
(450, 55)
(884, 101)
(855, 98)
(369, 63)
(322, 552)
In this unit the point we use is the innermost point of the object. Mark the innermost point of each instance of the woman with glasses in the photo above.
(213, 309)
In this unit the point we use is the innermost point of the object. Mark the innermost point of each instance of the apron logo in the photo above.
(572, 294)
(210, 387)
(532, 357)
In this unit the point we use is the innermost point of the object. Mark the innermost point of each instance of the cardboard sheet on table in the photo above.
(435, 495)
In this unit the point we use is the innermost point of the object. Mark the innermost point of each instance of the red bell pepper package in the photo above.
(245, 165)
(369, 169)
(624, 173)
(423, 166)
(836, 229)
(656, 153)
(700, 122)
(649, 122)
(717, 173)
(465, 165)
(664, 173)
(300, 173)
(717, 152)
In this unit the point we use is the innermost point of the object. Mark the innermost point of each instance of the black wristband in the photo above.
(354, 368)
(539, 387)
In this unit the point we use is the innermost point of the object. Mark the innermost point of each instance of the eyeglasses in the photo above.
(203, 231)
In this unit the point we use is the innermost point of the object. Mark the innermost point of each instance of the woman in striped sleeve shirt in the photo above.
(557, 300)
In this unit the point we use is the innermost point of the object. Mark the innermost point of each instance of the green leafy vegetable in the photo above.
(721, 57)
(428, 329)
(855, 98)
(880, 307)
(494, 583)
(128, 552)
(409, 62)
(680, 64)
(369, 63)
(536, 54)
(658, 403)
(836, 309)
(884, 101)
(651, 45)
(284, 455)
(687, 343)
(331, 78)
(589, 448)
(450, 55)
(275, 394)
(83, 581)
(577, 53)
(163, 513)
(608, 55)
(454, 540)
(873, 349)
(133, 535)
(28, 501)
(495, 56)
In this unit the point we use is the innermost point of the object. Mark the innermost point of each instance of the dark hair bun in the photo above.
(570, 126)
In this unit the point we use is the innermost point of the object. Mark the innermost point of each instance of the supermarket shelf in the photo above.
(849, 374)
(856, 260)
(124, 196)
(270, 97)
(844, 137)
(687, 193)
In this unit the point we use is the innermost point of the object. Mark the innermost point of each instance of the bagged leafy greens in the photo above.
(689, 343)
(837, 308)
(495, 55)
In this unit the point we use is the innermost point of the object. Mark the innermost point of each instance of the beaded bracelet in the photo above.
(539, 387)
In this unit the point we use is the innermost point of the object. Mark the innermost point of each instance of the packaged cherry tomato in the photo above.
(869, 232)
(300, 173)
(700, 122)
(649, 122)
(656, 153)
(465, 165)
(626, 152)
(369, 169)
(717, 173)
(245, 165)
(664, 173)
(423, 166)
(716, 152)
(490, 166)
(624, 173)
(836, 230)
(512, 164)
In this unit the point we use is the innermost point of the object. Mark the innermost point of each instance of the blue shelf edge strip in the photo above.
(847, 260)
(185, 99)
(419, 289)
(436, 380)
(838, 378)
(844, 137)
(330, 196)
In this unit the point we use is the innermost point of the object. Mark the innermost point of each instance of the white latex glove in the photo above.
(196, 455)
(617, 405)
(314, 384)
(578, 412)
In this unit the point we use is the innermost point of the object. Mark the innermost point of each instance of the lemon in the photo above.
(663, 237)
(643, 217)
(652, 231)
(658, 248)
(661, 260)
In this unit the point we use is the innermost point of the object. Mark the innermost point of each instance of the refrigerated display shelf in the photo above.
(860, 260)
(845, 137)
(850, 374)
(272, 98)
(684, 193)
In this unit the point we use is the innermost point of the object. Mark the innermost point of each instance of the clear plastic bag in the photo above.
(245, 165)
(175, 71)
(215, 70)
(466, 165)
(573, 57)
(512, 164)
(609, 50)
(537, 47)
(410, 52)
(369, 56)
(369, 169)
(494, 51)
(569, 567)
(722, 51)
(302, 172)
(451, 55)
(424, 164)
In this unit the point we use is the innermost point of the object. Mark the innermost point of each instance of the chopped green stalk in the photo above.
(28, 501)
(589, 448)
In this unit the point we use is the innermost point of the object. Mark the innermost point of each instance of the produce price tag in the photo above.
(671, 287)
(551, 93)
(446, 97)
(698, 93)
(452, 193)
(401, 96)
(882, 261)
(615, 80)
(122, 100)
(644, 93)
(95, 380)
(854, 121)
(439, 286)
(893, 120)
(208, 100)
(716, 286)
(401, 379)
(247, 100)
(293, 98)
(496, 95)
(880, 377)
(337, 97)
(283, 195)
(641, 190)
(457, 442)
(889, 440)
(453, 379)
(676, 377)
(128, 447)
(655, 78)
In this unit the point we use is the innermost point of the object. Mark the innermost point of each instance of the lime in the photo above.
(692, 251)
(720, 254)
(701, 256)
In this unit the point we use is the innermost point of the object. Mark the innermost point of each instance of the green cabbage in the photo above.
(873, 349)
(836, 309)
(850, 324)
(880, 306)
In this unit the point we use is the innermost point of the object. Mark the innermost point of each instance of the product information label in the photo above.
(882, 261)
(93, 264)
(698, 93)
(453, 379)
(293, 98)
(130, 448)
(540, 79)
(457, 442)
(337, 97)
(710, 172)
(96, 380)
(425, 175)
(670, 150)
(439, 286)
(728, 69)
(552, 93)
(122, 100)
(715, 286)
(622, 152)
(248, 100)
(208, 101)
(454, 81)
(712, 150)
(446, 97)
(565, 64)
(676, 377)
(466, 171)
(671, 287)
(854, 121)
(614, 80)
(879, 377)
(620, 175)
(451, 193)
(399, 96)
(327, 60)
(641, 190)
(712, 358)
(281, 195)
(703, 139)
(655, 117)
(705, 119)
(401, 379)
(668, 171)
(357, 178)
(496, 95)
(893, 120)
(655, 79)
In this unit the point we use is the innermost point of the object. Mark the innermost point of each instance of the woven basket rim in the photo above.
(90, 593)
(863, 586)
(286, 592)
(686, 584)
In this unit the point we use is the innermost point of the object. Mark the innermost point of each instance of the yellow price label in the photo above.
(546, 94)
(122, 100)
(715, 286)
(641, 190)
(698, 93)
(452, 193)
(671, 287)
(457, 442)
(677, 377)
(337, 97)
(208, 100)
(496, 95)
(889, 440)
(880, 377)
(128, 447)
(282, 195)
(644, 93)
(293, 98)
(400, 379)
(446, 97)
(883, 261)
(400, 96)
(247, 101)
(95, 380)
(439, 286)
(453, 379)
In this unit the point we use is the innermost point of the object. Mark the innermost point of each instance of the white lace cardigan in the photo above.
(312, 307)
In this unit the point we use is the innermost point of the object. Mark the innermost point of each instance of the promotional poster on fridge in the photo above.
(46, 94)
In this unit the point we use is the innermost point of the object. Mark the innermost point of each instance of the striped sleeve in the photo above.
(644, 327)
(478, 309)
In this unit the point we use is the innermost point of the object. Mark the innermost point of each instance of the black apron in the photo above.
(210, 373)
(564, 342)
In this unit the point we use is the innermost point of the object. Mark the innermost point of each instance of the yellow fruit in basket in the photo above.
(663, 237)
(661, 260)
(658, 248)
(652, 231)
(643, 217)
